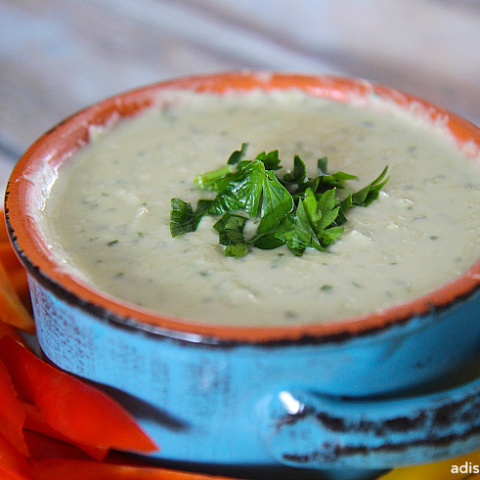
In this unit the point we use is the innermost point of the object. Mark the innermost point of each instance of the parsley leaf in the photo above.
(344, 205)
(208, 181)
(303, 234)
(368, 194)
(230, 228)
(299, 173)
(182, 217)
(281, 235)
(241, 190)
(322, 165)
(270, 160)
(327, 209)
(277, 202)
(313, 222)
(326, 180)
(238, 155)
(291, 210)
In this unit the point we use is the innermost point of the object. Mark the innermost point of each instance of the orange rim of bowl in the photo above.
(57, 145)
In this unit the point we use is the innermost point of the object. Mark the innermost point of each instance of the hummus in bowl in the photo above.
(108, 213)
(218, 344)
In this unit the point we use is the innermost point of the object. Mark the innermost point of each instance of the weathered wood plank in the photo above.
(427, 47)
(57, 56)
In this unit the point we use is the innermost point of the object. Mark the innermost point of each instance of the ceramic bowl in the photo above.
(349, 394)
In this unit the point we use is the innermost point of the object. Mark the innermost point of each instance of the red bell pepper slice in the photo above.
(8, 330)
(11, 413)
(36, 422)
(8, 257)
(13, 465)
(43, 447)
(3, 228)
(56, 469)
(72, 408)
(12, 310)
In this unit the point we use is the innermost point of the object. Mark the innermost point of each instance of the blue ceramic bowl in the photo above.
(355, 394)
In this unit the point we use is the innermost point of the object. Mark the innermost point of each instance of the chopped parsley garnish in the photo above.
(290, 209)
(182, 217)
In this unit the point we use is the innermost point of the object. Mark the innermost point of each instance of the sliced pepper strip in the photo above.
(3, 229)
(72, 408)
(36, 422)
(13, 465)
(18, 279)
(8, 330)
(8, 256)
(12, 310)
(43, 447)
(57, 469)
(11, 413)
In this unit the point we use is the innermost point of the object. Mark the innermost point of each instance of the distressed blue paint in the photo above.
(331, 432)
(220, 405)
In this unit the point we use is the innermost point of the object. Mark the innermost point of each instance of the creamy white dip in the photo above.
(107, 216)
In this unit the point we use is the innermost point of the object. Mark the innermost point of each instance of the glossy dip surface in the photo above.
(107, 215)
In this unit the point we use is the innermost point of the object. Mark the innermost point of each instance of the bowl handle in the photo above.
(307, 429)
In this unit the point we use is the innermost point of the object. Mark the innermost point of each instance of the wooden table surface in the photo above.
(57, 56)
